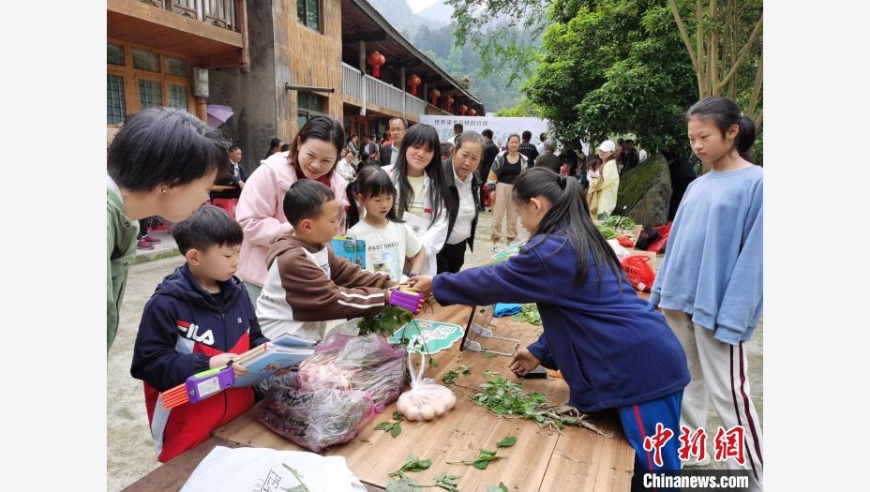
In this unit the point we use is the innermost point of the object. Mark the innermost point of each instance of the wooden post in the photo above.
(404, 89)
(242, 13)
(201, 111)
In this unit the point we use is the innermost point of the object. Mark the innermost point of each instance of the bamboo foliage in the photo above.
(718, 51)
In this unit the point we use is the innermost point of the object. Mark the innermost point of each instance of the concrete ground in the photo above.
(130, 450)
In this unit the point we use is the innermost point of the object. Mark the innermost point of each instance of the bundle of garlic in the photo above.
(426, 399)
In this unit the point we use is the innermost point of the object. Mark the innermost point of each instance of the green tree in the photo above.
(619, 66)
(613, 68)
(505, 32)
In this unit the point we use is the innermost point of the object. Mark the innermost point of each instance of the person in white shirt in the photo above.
(540, 145)
(346, 167)
(457, 131)
(421, 189)
(388, 240)
(460, 172)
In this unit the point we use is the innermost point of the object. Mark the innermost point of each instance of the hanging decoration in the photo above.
(472, 112)
(462, 109)
(434, 94)
(376, 60)
(449, 102)
(414, 81)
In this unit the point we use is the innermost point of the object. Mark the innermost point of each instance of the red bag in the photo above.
(638, 272)
(625, 242)
(658, 245)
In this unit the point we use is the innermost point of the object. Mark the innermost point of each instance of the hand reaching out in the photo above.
(523, 362)
(422, 284)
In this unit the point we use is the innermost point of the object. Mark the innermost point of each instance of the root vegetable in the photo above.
(427, 412)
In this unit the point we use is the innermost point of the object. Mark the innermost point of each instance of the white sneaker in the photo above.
(496, 249)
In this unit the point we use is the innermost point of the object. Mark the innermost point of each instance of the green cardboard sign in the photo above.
(435, 335)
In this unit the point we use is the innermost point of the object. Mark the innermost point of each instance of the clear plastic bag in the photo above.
(365, 363)
(426, 399)
(317, 419)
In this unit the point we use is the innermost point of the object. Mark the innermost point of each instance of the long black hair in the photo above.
(370, 181)
(725, 112)
(570, 213)
(323, 128)
(165, 146)
(422, 135)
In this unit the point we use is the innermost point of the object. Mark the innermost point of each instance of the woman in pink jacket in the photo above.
(313, 154)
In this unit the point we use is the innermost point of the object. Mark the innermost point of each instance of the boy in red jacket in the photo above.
(199, 318)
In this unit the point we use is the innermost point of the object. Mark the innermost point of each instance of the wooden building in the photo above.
(158, 49)
(275, 63)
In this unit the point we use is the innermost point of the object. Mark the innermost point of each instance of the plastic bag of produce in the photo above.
(638, 272)
(317, 419)
(426, 399)
(366, 363)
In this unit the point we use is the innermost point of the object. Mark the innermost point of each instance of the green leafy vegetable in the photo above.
(501, 487)
(528, 314)
(394, 428)
(449, 377)
(447, 482)
(507, 399)
(507, 442)
(620, 222)
(481, 461)
(390, 319)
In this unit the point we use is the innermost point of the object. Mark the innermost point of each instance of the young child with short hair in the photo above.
(308, 286)
(199, 318)
(372, 218)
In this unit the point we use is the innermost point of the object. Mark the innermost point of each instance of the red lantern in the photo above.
(414, 81)
(376, 60)
(434, 94)
(449, 102)
(463, 109)
(472, 112)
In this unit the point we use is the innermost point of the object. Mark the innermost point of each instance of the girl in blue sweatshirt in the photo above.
(709, 285)
(613, 349)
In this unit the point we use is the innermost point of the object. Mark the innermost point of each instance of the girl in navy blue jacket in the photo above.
(613, 349)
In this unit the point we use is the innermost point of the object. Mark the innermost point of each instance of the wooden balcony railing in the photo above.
(221, 13)
(370, 90)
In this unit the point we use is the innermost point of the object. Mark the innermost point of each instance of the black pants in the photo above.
(144, 224)
(451, 257)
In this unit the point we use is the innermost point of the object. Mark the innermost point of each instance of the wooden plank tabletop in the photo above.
(173, 474)
(541, 458)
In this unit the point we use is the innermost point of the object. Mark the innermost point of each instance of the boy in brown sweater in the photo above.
(308, 288)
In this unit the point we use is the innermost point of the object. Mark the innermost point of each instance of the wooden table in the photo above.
(542, 459)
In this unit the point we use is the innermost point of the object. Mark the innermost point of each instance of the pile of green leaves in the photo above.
(619, 222)
(607, 232)
(507, 399)
(449, 377)
(529, 314)
(390, 319)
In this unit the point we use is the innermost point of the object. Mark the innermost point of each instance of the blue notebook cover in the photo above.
(275, 360)
(352, 249)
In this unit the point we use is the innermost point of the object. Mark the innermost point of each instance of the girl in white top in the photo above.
(423, 196)
(388, 240)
